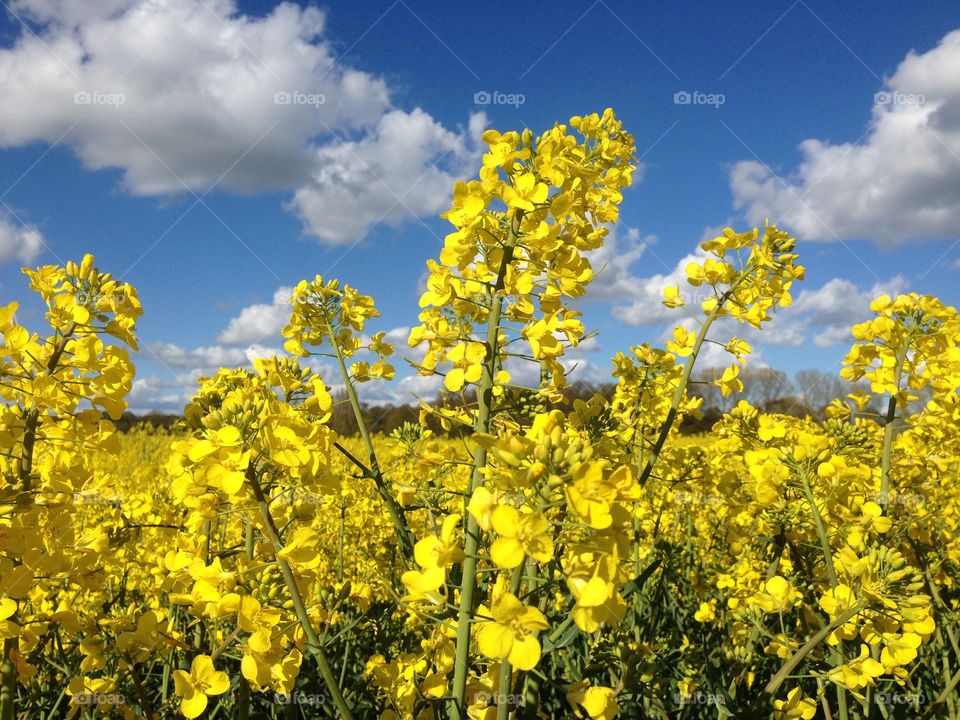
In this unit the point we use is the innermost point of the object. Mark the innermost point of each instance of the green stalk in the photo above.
(951, 684)
(343, 661)
(141, 691)
(8, 689)
(314, 646)
(531, 681)
(684, 381)
(340, 537)
(788, 667)
(471, 543)
(837, 657)
(772, 569)
(243, 701)
(824, 703)
(404, 535)
(943, 697)
(821, 531)
(886, 458)
(505, 686)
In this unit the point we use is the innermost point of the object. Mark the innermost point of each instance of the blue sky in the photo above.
(152, 135)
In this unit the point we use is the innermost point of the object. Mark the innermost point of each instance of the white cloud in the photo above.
(824, 314)
(831, 310)
(181, 368)
(206, 360)
(403, 169)
(613, 262)
(643, 296)
(177, 92)
(901, 183)
(260, 322)
(18, 242)
(65, 12)
(156, 393)
(403, 391)
(180, 95)
(398, 336)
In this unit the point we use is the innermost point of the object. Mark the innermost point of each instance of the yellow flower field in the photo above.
(546, 560)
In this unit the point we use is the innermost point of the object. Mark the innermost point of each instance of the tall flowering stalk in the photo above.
(518, 252)
(55, 390)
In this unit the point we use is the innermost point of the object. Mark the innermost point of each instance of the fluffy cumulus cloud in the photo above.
(401, 170)
(255, 333)
(159, 394)
(614, 262)
(21, 243)
(637, 298)
(823, 315)
(901, 182)
(641, 298)
(259, 322)
(182, 95)
(829, 312)
(177, 370)
(206, 360)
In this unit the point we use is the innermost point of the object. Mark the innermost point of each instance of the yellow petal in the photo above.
(525, 653)
(194, 704)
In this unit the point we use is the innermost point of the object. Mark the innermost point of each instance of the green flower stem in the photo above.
(943, 697)
(886, 458)
(821, 531)
(141, 691)
(340, 537)
(243, 701)
(404, 535)
(314, 646)
(837, 657)
(685, 379)
(772, 569)
(505, 686)
(531, 682)
(471, 544)
(951, 684)
(788, 667)
(824, 703)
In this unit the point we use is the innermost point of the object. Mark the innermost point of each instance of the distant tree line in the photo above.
(155, 419)
(807, 394)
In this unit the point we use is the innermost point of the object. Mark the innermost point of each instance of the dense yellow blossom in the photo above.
(544, 559)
